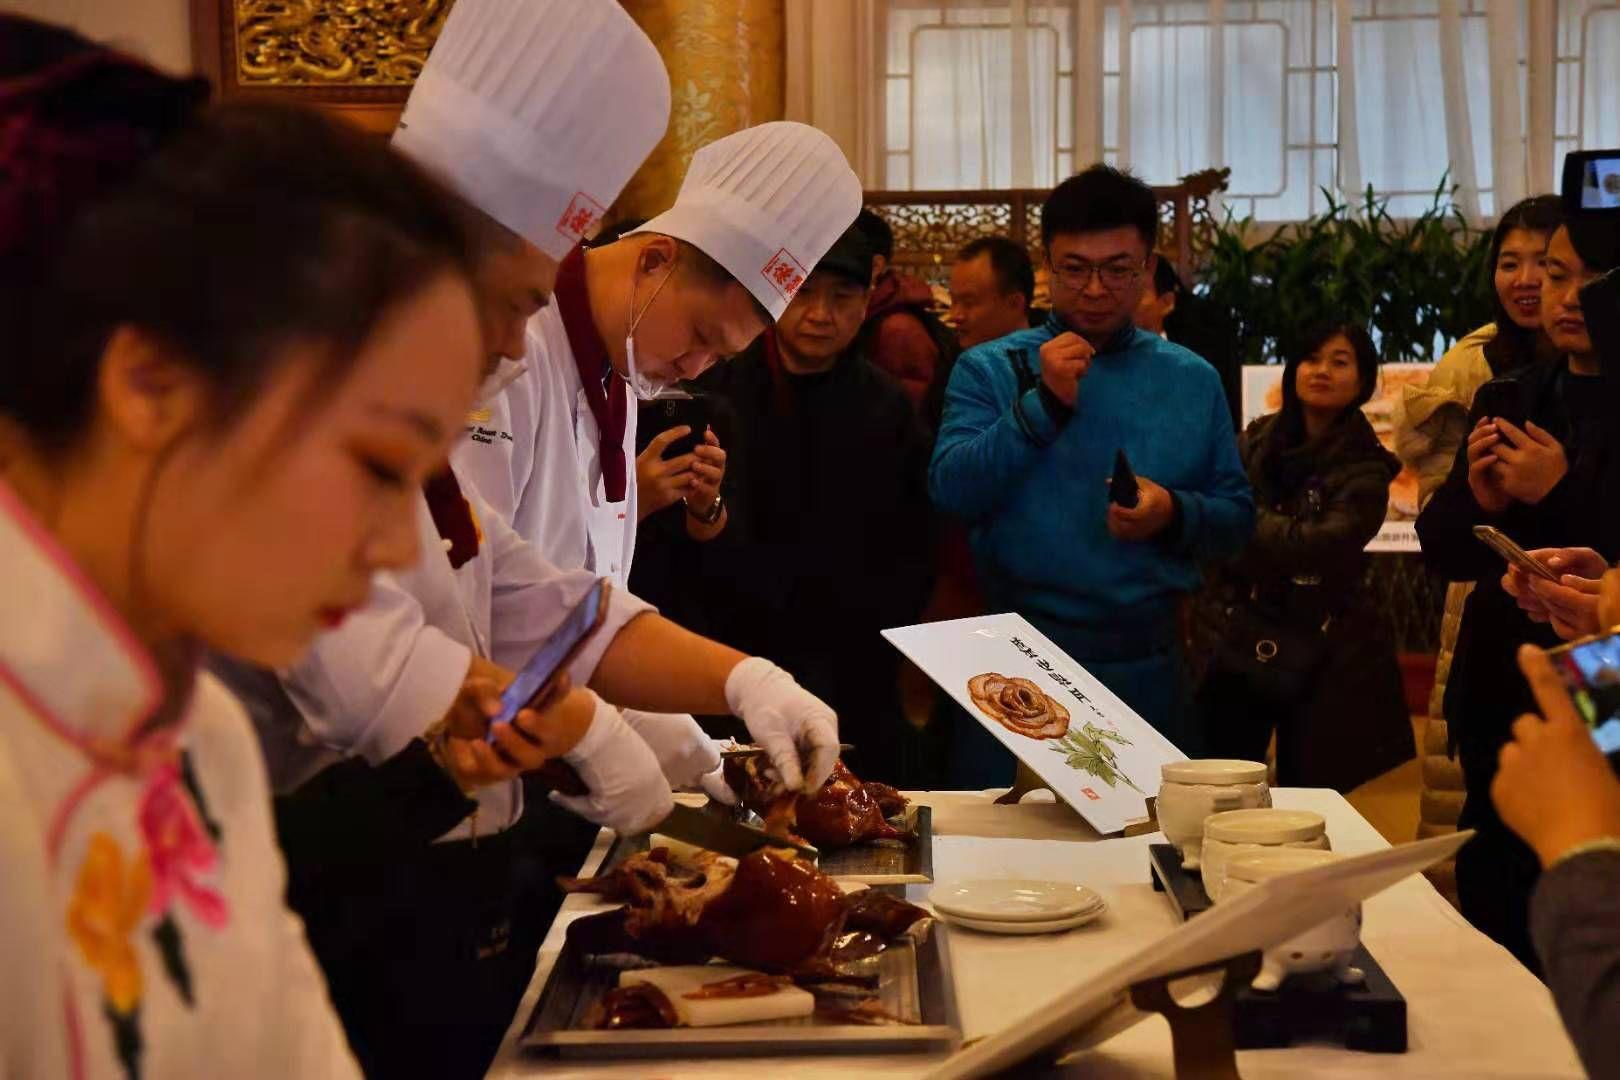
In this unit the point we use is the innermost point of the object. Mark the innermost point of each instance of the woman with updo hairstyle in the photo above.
(233, 343)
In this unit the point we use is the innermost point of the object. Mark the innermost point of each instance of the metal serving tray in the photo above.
(877, 862)
(914, 984)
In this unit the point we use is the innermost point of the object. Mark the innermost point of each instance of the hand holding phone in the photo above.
(1503, 545)
(1123, 490)
(533, 686)
(1553, 786)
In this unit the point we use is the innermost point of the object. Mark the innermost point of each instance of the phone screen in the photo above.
(1600, 189)
(1591, 670)
(550, 655)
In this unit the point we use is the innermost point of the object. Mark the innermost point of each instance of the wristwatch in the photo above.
(717, 508)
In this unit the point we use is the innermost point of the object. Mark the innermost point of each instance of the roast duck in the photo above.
(844, 811)
(769, 912)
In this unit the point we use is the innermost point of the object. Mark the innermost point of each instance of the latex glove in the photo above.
(688, 756)
(787, 721)
(628, 792)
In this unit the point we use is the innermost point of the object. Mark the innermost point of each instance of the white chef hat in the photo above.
(512, 110)
(766, 204)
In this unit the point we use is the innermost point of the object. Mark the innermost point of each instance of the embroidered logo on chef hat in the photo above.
(581, 217)
(785, 273)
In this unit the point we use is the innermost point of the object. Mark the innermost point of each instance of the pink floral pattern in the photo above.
(180, 850)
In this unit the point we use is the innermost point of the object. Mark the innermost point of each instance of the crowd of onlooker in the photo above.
(224, 432)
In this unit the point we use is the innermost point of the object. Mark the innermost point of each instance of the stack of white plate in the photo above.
(1016, 905)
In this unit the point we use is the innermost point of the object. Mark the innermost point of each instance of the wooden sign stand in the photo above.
(1027, 780)
(1201, 1036)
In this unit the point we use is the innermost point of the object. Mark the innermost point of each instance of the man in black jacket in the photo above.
(830, 537)
(1539, 477)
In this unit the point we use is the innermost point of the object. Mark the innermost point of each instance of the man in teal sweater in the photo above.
(1026, 447)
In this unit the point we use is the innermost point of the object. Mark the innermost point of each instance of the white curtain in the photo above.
(834, 76)
(1295, 96)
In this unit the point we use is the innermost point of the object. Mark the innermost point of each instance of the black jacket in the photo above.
(829, 536)
(1317, 505)
(1485, 692)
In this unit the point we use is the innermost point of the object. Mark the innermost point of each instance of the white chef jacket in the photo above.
(101, 847)
(394, 667)
(536, 459)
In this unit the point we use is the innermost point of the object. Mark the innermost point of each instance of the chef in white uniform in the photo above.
(698, 282)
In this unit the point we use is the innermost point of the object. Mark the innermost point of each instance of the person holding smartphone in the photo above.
(1542, 482)
(1560, 795)
(1431, 419)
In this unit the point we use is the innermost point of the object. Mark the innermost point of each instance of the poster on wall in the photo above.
(1087, 745)
(1262, 394)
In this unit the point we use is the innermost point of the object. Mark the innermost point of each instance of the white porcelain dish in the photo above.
(1014, 899)
(1047, 926)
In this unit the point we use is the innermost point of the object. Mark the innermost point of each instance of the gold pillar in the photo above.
(726, 64)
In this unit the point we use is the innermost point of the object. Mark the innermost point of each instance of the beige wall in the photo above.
(158, 30)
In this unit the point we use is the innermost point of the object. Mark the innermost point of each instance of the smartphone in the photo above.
(1123, 490)
(1498, 541)
(1591, 181)
(1591, 670)
(692, 411)
(534, 683)
(1502, 398)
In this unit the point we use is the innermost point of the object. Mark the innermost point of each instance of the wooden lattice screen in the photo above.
(931, 226)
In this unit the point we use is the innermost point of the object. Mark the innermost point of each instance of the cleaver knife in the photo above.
(716, 830)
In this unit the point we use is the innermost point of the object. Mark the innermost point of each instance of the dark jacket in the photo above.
(1317, 505)
(830, 535)
(1485, 692)
(1576, 922)
(895, 338)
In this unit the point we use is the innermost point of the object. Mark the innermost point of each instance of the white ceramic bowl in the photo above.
(1328, 946)
(1190, 791)
(1232, 831)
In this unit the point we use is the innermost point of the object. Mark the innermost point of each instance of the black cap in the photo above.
(850, 257)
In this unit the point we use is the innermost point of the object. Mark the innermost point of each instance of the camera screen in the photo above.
(1600, 184)
(1591, 670)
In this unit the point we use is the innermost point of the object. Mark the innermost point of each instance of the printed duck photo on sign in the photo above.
(1086, 744)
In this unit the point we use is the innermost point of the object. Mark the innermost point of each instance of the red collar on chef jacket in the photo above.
(604, 391)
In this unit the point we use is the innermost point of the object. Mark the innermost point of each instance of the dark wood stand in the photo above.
(1202, 1037)
(1184, 888)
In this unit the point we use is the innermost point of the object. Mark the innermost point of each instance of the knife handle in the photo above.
(557, 775)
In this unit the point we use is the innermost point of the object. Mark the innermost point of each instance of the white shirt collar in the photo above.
(64, 652)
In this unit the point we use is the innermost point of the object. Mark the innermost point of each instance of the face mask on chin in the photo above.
(643, 387)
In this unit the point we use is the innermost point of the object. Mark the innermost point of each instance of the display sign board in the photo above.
(1262, 394)
(1078, 737)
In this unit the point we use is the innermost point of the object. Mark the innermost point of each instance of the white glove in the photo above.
(688, 757)
(786, 720)
(628, 792)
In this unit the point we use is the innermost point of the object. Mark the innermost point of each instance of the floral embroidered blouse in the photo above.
(142, 926)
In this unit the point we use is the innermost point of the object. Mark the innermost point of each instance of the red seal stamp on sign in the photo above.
(1092, 795)
(785, 273)
(582, 214)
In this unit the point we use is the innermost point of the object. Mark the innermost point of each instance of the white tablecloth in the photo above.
(1472, 1010)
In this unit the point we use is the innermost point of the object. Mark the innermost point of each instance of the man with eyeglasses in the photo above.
(1031, 426)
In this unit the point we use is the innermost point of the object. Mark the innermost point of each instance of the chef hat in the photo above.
(766, 204)
(511, 109)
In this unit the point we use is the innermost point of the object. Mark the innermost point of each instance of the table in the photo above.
(1473, 1011)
